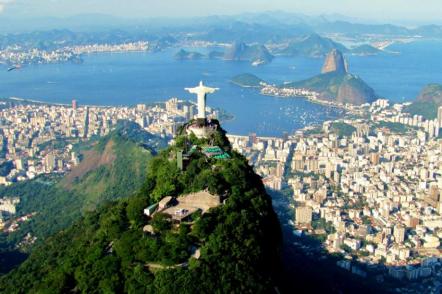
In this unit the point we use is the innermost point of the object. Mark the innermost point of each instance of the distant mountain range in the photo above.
(270, 24)
(261, 28)
(313, 45)
(238, 51)
(316, 46)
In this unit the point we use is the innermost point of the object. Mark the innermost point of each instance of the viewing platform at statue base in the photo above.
(201, 128)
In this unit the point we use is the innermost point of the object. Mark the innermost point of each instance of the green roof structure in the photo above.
(215, 152)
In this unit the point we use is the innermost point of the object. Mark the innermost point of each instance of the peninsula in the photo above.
(335, 85)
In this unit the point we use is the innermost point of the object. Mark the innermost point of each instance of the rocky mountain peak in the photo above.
(335, 62)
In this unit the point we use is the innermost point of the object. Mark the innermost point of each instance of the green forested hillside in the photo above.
(247, 80)
(59, 201)
(335, 86)
(342, 129)
(108, 252)
(428, 109)
(427, 103)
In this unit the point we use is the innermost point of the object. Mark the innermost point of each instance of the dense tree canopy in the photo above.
(107, 250)
(56, 203)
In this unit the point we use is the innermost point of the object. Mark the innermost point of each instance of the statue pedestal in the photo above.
(201, 131)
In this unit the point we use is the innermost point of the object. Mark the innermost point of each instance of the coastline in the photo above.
(304, 94)
(225, 116)
(35, 101)
(244, 86)
(315, 101)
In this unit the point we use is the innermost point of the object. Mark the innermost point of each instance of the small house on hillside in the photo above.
(166, 202)
(149, 211)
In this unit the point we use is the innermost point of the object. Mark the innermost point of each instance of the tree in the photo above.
(161, 222)
(135, 210)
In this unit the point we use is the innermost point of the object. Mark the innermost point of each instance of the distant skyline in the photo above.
(423, 11)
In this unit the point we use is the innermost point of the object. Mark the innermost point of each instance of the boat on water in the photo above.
(14, 67)
(258, 62)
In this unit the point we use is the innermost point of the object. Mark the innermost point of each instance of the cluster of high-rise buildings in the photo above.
(268, 155)
(374, 197)
(40, 138)
(381, 111)
(16, 55)
(102, 48)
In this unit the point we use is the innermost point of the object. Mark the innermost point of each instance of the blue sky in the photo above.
(384, 10)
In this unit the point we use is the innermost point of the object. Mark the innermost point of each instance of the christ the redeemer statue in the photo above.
(201, 91)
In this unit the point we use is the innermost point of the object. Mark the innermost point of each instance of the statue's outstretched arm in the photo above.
(211, 90)
(192, 90)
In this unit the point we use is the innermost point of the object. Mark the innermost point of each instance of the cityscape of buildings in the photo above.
(40, 138)
(373, 196)
(16, 55)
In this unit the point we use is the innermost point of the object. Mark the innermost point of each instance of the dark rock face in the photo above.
(334, 62)
(355, 91)
(187, 55)
(241, 51)
(236, 51)
(431, 93)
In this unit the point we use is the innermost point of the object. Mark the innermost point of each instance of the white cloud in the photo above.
(3, 4)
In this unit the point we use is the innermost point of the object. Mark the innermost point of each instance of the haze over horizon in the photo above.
(377, 10)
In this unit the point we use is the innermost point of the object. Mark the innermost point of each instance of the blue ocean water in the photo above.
(130, 78)
(400, 77)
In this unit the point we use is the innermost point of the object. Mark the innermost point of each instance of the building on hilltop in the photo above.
(181, 208)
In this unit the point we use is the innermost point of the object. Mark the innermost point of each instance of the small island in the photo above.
(239, 51)
(188, 55)
(248, 80)
(365, 50)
